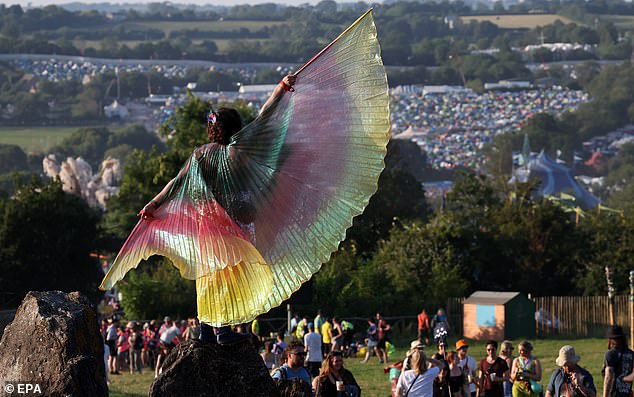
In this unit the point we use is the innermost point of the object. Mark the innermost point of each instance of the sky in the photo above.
(37, 3)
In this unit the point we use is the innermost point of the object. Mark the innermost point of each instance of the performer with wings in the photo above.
(253, 214)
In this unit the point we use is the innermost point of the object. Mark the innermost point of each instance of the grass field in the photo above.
(216, 26)
(529, 21)
(620, 21)
(376, 384)
(35, 139)
(223, 44)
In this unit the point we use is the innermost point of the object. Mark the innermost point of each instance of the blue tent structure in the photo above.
(556, 180)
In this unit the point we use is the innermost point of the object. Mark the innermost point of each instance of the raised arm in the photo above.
(286, 84)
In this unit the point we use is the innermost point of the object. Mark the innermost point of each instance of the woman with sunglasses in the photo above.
(334, 379)
(493, 371)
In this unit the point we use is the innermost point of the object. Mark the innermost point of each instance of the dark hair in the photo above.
(290, 348)
(227, 123)
(493, 343)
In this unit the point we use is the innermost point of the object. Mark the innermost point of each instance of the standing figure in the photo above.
(618, 363)
(492, 372)
(570, 380)
(254, 213)
(526, 372)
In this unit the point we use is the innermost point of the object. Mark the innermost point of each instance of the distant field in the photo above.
(517, 21)
(217, 26)
(34, 139)
(620, 21)
(223, 44)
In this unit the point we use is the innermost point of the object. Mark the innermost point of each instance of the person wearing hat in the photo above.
(570, 379)
(618, 362)
(468, 364)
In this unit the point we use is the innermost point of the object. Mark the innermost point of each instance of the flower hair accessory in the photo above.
(212, 117)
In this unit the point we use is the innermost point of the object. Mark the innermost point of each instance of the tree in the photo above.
(46, 237)
(421, 263)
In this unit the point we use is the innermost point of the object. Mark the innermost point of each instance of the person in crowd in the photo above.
(526, 372)
(301, 328)
(293, 367)
(492, 372)
(312, 342)
(168, 339)
(294, 321)
(468, 364)
(136, 346)
(570, 380)
(123, 348)
(418, 381)
(440, 326)
(334, 380)
(506, 354)
(111, 341)
(424, 329)
(337, 334)
(270, 360)
(441, 383)
(347, 330)
(457, 377)
(618, 363)
(372, 341)
(384, 330)
(319, 321)
(278, 348)
(326, 337)
(167, 323)
(149, 345)
(255, 329)
(193, 330)
(407, 361)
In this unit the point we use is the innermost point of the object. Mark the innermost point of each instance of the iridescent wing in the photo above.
(276, 202)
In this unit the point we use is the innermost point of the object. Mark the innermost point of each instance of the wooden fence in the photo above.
(563, 316)
(579, 316)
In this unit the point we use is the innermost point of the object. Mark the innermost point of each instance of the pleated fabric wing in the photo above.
(253, 220)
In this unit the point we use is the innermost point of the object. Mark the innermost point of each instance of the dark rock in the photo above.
(54, 341)
(194, 368)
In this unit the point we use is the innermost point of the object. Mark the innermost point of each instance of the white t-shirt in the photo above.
(312, 341)
(472, 365)
(424, 385)
(170, 333)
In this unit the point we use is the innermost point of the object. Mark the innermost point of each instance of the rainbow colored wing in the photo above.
(290, 183)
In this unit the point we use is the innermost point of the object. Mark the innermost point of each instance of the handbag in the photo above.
(536, 387)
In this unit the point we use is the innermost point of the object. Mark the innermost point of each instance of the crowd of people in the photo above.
(134, 347)
(313, 354)
(455, 373)
(453, 127)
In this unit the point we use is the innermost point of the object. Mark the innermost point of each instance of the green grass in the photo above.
(620, 21)
(530, 21)
(223, 44)
(35, 139)
(216, 26)
(375, 383)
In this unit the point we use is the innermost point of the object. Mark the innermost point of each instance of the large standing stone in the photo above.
(194, 368)
(54, 341)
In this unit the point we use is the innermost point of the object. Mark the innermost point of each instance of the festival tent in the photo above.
(554, 179)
